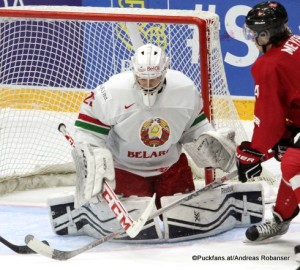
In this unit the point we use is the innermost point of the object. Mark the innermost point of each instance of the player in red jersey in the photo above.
(276, 75)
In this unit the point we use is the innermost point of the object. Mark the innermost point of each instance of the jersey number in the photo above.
(89, 99)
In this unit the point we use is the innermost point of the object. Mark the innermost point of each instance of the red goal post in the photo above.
(51, 57)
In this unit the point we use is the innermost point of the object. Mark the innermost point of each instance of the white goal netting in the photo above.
(51, 57)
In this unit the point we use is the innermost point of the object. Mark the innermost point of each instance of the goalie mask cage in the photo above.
(51, 57)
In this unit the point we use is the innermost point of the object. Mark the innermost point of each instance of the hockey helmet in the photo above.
(269, 17)
(150, 66)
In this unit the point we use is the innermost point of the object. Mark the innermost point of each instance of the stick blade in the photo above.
(39, 247)
(138, 225)
(16, 248)
(42, 248)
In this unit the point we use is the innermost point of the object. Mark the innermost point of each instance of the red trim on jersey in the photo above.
(89, 119)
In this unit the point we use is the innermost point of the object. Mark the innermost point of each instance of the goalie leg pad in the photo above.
(98, 220)
(214, 212)
(63, 217)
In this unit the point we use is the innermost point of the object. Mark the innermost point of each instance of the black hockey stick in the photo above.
(20, 249)
(61, 255)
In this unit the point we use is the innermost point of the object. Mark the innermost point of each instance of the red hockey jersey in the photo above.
(276, 76)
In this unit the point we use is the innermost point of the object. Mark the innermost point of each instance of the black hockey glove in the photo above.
(290, 138)
(293, 141)
(280, 148)
(248, 162)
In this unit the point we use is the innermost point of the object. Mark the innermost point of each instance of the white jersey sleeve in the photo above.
(89, 128)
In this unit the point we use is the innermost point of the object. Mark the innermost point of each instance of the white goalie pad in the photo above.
(93, 165)
(214, 149)
(214, 212)
(98, 220)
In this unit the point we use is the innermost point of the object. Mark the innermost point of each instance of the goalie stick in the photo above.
(131, 226)
(20, 249)
(61, 255)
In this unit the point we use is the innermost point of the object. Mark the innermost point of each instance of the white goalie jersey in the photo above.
(143, 140)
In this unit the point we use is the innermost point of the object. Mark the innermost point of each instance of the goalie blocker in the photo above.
(214, 212)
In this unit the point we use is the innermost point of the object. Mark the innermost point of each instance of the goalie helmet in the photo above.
(150, 67)
(267, 19)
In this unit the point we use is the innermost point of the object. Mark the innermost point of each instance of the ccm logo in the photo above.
(243, 158)
(117, 209)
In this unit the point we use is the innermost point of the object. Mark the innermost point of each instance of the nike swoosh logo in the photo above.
(128, 106)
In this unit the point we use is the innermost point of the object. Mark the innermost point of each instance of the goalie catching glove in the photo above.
(93, 165)
(214, 149)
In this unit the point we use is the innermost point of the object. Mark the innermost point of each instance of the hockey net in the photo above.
(51, 57)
